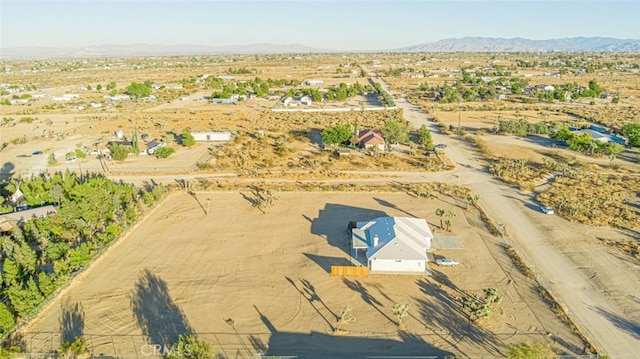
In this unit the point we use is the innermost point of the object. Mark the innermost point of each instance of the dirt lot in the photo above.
(247, 281)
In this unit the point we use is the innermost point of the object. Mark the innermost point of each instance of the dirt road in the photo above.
(607, 310)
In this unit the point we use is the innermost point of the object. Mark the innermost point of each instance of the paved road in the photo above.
(605, 305)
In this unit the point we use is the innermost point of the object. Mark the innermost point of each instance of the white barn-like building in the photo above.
(393, 244)
(205, 136)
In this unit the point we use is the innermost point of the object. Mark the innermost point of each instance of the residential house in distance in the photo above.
(306, 100)
(27, 214)
(599, 134)
(392, 245)
(369, 139)
(212, 136)
(313, 82)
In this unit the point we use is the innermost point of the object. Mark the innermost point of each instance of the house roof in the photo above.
(370, 137)
(29, 213)
(398, 237)
(594, 134)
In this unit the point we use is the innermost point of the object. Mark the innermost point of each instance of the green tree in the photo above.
(80, 256)
(189, 347)
(7, 322)
(134, 142)
(99, 87)
(632, 130)
(89, 88)
(46, 283)
(424, 136)
(593, 86)
(25, 300)
(11, 271)
(138, 90)
(186, 138)
(111, 85)
(119, 152)
(395, 131)
(337, 134)
(531, 351)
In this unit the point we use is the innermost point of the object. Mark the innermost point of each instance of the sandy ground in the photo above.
(182, 270)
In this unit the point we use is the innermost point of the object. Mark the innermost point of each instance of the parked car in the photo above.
(37, 153)
(70, 160)
(546, 210)
(445, 261)
(440, 145)
(429, 153)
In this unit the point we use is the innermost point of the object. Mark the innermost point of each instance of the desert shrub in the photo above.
(530, 351)
(27, 119)
(189, 347)
(80, 153)
(594, 199)
(164, 152)
(517, 171)
(52, 159)
(76, 347)
(119, 152)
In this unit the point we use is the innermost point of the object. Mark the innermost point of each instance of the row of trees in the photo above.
(585, 143)
(522, 127)
(43, 252)
(383, 96)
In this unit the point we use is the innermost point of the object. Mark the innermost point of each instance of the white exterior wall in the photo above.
(211, 136)
(390, 265)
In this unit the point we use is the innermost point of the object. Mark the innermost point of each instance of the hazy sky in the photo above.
(337, 25)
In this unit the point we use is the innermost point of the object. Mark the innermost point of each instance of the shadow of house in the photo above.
(159, 317)
(71, 321)
(388, 204)
(326, 262)
(322, 345)
(333, 221)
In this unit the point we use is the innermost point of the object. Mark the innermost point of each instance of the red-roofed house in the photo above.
(370, 138)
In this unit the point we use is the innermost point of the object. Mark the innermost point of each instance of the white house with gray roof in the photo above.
(393, 244)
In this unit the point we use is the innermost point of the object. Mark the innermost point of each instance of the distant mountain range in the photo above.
(466, 44)
(490, 44)
(153, 50)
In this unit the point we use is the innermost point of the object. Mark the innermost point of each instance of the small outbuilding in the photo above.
(212, 136)
(393, 245)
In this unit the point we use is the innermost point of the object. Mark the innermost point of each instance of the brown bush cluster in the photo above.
(596, 199)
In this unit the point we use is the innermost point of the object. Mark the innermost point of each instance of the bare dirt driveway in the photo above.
(598, 287)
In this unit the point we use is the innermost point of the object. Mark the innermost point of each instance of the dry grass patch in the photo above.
(596, 199)
(631, 248)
